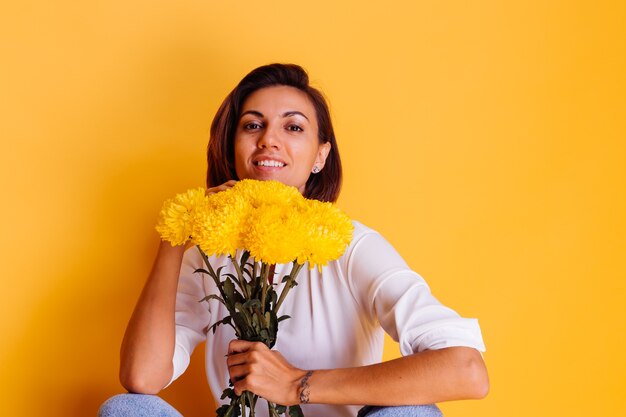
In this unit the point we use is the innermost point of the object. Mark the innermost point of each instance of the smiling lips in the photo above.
(269, 163)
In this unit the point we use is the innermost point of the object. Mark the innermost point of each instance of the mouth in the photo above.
(269, 163)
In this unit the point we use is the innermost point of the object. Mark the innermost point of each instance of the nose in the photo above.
(269, 139)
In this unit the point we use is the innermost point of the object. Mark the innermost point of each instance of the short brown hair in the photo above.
(323, 186)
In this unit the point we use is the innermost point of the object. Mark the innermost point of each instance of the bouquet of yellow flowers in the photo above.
(271, 223)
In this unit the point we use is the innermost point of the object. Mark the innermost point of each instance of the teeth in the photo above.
(270, 163)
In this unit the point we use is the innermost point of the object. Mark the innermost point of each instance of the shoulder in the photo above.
(365, 242)
(361, 231)
(367, 246)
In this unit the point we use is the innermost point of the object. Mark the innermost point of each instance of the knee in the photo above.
(129, 405)
(118, 406)
(430, 410)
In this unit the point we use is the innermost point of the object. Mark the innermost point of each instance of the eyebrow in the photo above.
(285, 114)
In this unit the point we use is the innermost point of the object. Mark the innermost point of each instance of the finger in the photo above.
(234, 359)
(250, 357)
(238, 372)
(239, 346)
(214, 190)
(249, 383)
(240, 386)
(221, 187)
(224, 187)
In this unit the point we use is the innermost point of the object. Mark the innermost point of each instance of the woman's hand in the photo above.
(223, 187)
(254, 367)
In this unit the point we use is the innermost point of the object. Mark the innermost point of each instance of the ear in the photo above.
(322, 154)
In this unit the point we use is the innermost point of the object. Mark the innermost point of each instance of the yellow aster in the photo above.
(273, 221)
(329, 233)
(275, 234)
(260, 193)
(219, 229)
(178, 214)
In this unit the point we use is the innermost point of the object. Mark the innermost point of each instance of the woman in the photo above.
(273, 125)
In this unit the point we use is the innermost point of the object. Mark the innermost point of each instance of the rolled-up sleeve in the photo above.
(191, 315)
(401, 301)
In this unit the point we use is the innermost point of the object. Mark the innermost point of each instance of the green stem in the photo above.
(213, 274)
(265, 270)
(241, 279)
(254, 269)
(271, 410)
(251, 401)
(207, 263)
(242, 401)
(295, 269)
(219, 288)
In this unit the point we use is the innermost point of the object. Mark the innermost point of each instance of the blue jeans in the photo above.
(138, 405)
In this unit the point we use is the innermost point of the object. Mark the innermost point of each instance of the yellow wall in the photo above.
(485, 140)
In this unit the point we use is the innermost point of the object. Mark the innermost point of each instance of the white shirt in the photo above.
(337, 319)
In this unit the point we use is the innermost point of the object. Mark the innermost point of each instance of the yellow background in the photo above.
(485, 140)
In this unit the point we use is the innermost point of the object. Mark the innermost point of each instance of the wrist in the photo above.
(303, 389)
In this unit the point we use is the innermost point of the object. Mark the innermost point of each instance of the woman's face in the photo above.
(276, 137)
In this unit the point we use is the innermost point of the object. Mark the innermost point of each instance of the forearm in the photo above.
(428, 377)
(148, 345)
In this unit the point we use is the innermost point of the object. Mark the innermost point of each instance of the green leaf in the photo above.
(200, 270)
(212, 297)
(251, 304)
(233, 410)
(273, 324)
(255, 321)
(229, 289)
(247, 271)
(295, 411)
(219, 270)
(225, 320)
(244, 258)
(214, 327)
(221, 411)
(285, 278)
(228, 392)
(264, 334)
(280, 409)
(240, 320)
(248, 289)
(245, 317)
(244, 324)
(284, 317)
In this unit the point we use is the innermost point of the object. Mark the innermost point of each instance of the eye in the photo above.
(294, 128)
(252, 126)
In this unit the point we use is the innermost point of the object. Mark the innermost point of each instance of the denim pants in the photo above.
(139, 405)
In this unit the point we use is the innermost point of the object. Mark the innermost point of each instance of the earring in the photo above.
(316, 169)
